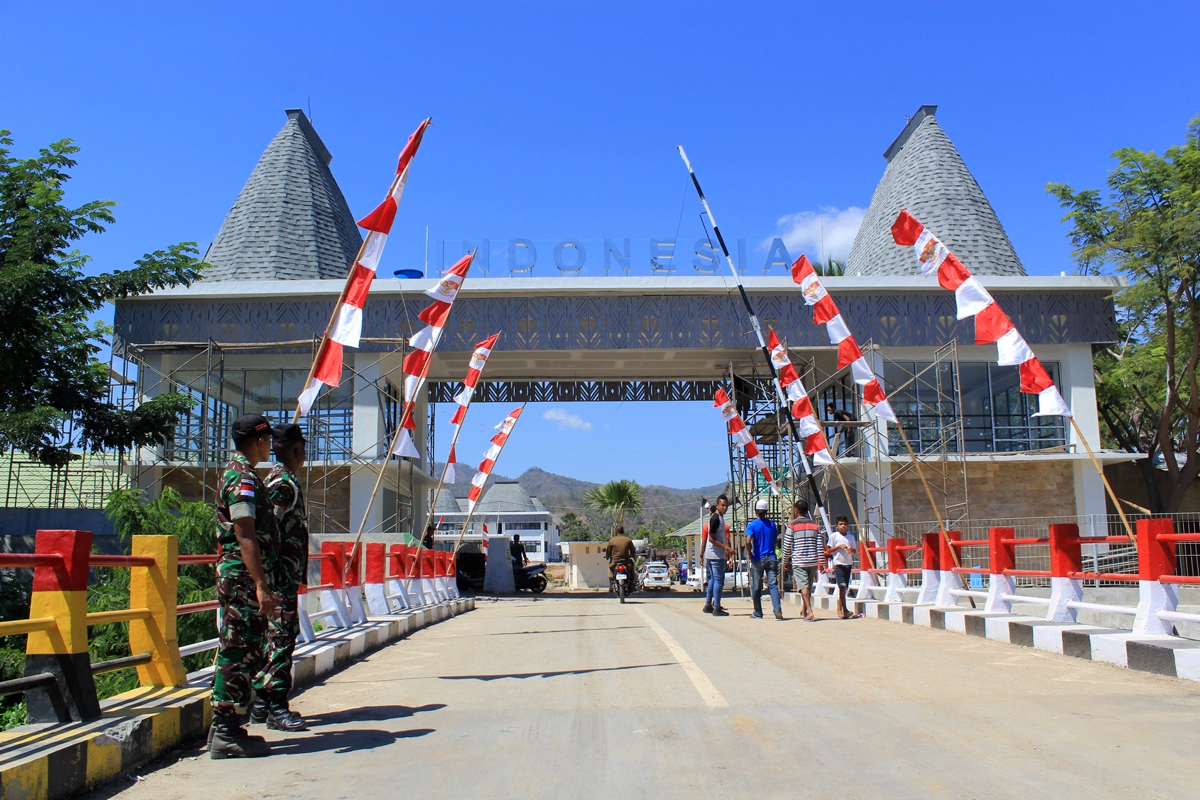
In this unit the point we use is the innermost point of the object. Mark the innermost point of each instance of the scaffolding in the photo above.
(193, 457)
(871, 455)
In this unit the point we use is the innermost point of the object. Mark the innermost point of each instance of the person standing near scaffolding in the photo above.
(716, 552)
(247, 543)
(287, 501)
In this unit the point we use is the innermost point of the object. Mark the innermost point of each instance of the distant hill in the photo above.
(663, 507)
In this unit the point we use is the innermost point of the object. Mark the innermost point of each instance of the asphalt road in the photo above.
(582, 697)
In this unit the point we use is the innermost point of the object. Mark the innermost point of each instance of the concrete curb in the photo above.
(48, 762)
(1162, 655)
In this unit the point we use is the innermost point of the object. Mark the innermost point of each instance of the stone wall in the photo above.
(996, 489)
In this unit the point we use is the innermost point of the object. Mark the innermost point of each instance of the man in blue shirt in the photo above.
(761, 535)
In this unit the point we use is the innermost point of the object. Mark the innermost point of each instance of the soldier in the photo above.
(247, 543)
(283, 490)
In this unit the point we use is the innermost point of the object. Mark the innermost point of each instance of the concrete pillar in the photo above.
(1079, 390)
(366, 441)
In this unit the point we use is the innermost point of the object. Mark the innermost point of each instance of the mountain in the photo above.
(663, 507)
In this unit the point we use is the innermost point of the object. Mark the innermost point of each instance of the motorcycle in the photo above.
(530, 578)
(624, 581)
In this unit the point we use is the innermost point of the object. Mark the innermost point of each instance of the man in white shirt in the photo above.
(841, 558)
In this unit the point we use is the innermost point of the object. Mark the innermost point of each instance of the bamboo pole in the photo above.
(846, 491)
(1107, 486)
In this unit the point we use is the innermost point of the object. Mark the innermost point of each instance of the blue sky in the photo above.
(559, 120)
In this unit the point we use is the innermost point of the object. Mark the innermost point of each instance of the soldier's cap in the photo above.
(250, 425)
(286, 434)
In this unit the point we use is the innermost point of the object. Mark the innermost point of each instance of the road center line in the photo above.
(703, 685)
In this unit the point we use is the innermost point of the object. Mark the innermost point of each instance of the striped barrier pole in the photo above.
(948, 579)
(331, 592)
(1156, 558)
(1066, 557)
(60, 647)
(156, 588)
(373, 586)
(930, 573)
(1001, 557)
(352, 558)
(395, 582)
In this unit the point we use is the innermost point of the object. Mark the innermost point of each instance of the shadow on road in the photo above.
(343, 741)
(370, 714)
(557, 674)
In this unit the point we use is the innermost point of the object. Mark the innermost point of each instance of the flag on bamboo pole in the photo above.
(807, 424)
(825, 312)
(741, 434)
(345, 328)
(474, 370)
(490, 457)
(448, 477)
(423, 343)
(992, 326)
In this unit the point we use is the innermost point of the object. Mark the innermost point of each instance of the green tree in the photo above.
(615, 498)
(574, 528)
(50, 377)
(1148, 231)
(830, 267)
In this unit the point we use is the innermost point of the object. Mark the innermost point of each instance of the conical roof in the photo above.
(290, 221)
(926, 175)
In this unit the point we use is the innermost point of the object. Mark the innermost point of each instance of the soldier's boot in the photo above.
(282, 718)
(229, 740)
(259, 708)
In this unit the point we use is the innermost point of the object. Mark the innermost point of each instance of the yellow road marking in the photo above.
(703, 685)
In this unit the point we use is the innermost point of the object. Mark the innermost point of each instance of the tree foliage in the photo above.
(575, 528)
(1148, 230)
(615, 498)
(50, 377)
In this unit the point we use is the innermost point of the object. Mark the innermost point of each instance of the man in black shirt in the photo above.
(517, 551)
(838, 415)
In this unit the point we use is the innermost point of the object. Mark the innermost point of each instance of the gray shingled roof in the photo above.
(290, 220)
(926, 175)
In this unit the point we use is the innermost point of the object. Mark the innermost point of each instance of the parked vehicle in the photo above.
(530, 578)
(655, 575)
(624, 582)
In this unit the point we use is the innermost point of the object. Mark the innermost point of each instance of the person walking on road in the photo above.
(716, 551)
(761, 535)
(841, 555)
(247, 546)
(804, 554)
(287, 500)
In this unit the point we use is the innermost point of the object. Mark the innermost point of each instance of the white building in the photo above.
(506, 509)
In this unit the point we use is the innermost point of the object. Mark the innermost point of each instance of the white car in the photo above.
(656, 575)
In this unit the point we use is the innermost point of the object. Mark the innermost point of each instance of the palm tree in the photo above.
(831, 267)
(615, 498)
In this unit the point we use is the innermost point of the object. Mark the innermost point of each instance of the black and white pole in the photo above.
(762, 343)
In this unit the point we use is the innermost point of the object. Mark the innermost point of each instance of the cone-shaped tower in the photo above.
(926, 175)
(290, 220)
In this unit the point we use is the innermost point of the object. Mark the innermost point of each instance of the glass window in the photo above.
(264, 393)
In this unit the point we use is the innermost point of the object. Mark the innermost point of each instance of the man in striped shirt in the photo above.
(804, 554)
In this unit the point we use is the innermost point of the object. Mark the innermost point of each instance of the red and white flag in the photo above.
(448, 476)
(346, 326)
(992, 326)
(741, 434)
(825, 312)
(807, 425)
(474, 369)
(423, 343)
(490, 457)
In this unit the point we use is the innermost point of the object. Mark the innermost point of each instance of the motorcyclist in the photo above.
(620, 550)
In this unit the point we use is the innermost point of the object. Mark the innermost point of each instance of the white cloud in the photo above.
(567, 421)
(804, 231)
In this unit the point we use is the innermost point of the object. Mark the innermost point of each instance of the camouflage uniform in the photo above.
(291, 571)
(240, 656)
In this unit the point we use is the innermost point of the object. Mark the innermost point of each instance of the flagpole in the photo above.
(400, 177)
(471, 513)
(337, 306)
(446, 467)
(762, 343)
(407, 410)
(1111, 493)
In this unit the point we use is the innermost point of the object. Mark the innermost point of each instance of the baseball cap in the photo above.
(761, 505)
(249, 425)
(286, 434)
